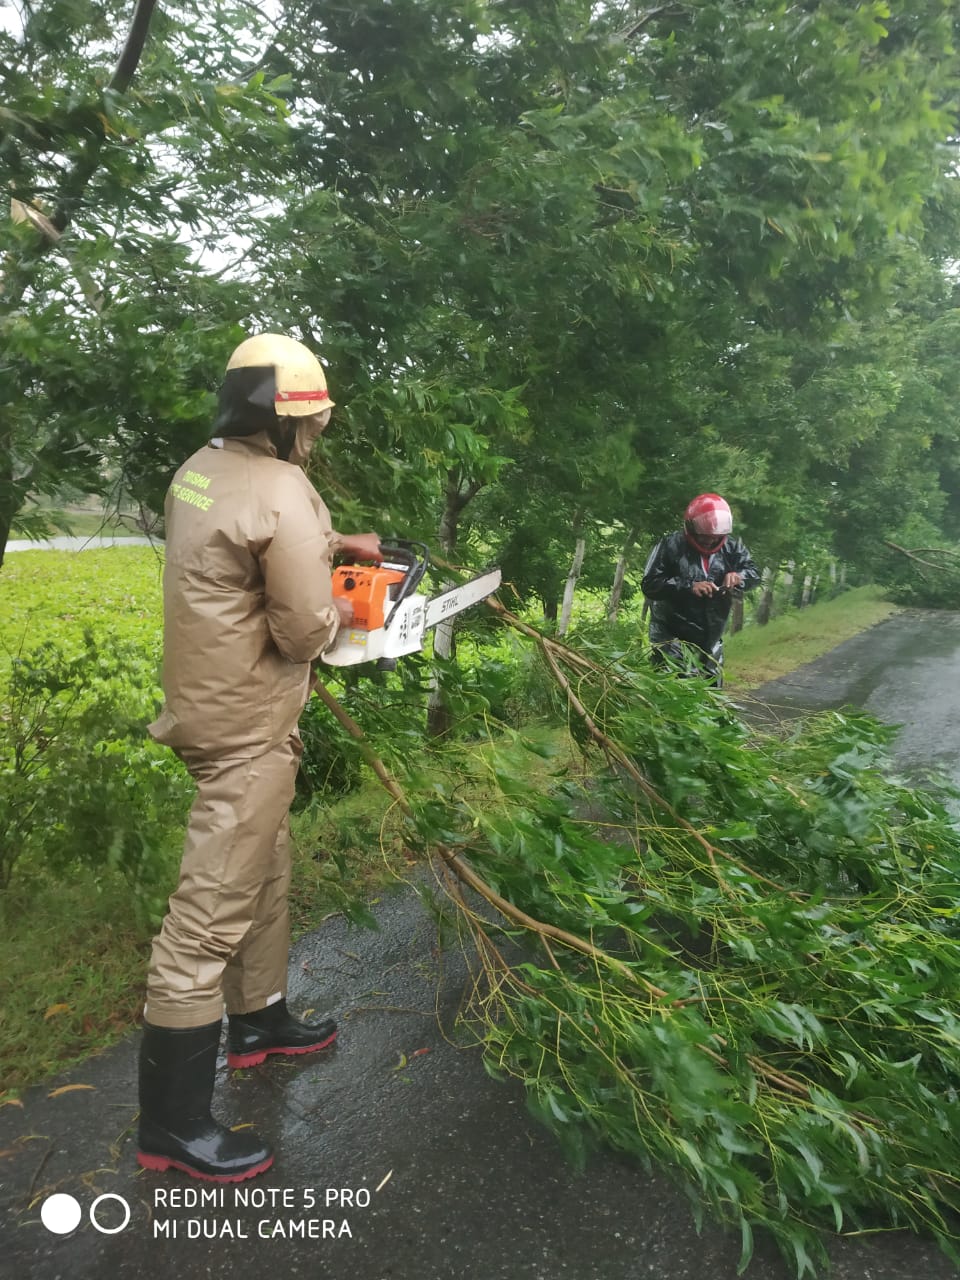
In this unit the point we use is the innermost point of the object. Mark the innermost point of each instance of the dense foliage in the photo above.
(728, 952)
(81, 782)
(567, 263)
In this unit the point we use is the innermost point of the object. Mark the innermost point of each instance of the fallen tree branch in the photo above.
(917, 553)
(695, 1052)
(617, 754)
(466, 872)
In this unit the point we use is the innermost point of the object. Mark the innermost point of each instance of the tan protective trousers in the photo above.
(226, 936)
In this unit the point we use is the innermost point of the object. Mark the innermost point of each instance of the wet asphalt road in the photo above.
(905, 671)
(471, 1188)
(94, 542)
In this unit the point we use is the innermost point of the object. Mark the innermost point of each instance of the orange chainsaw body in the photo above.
(368, 590)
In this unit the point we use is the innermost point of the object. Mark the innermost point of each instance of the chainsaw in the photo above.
(390, 617)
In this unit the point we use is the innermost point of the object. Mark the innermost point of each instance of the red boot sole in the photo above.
(239, 1060)
(159, 1164)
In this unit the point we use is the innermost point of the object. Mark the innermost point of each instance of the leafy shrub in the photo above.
(507, 679)
(81, 782)
(331, 761)
(926, 594)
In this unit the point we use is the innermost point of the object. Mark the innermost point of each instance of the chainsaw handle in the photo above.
(400, 551)
(414, 557)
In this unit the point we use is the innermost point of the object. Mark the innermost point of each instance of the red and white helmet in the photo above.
(708, 522)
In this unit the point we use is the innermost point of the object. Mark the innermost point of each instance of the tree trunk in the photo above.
(6, 520)
(551, 607)
(458, 494)
(439, 720)
(805, 593)
(736, 615)
(768, 580)
(13, 491)
(569, 590)
(616, 591)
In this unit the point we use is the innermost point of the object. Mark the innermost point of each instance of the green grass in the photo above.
(343, 853)
(758, 654)
(54, 595)
(72, 966)
(72, 955)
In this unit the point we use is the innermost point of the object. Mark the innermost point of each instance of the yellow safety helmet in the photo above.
(301, 387)
(270, 377)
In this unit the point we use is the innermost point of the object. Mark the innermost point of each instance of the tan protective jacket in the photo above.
(246, 598)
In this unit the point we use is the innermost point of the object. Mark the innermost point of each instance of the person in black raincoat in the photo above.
(690, 580)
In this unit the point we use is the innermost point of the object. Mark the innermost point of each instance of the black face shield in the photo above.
(246, 406)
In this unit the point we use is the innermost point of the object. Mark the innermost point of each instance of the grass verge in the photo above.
(758, 654)
(73, 954)
(71, 964)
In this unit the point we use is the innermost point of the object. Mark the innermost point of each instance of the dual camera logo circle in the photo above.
(61, 1213)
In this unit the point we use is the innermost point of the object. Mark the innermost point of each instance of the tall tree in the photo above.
(105, 313)
(564, 258)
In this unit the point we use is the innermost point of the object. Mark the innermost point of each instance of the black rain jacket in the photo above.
(675, 612)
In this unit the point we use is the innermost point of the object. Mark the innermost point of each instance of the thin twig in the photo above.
(33, 1181)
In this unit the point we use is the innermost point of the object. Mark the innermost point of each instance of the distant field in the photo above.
(83, 524)
(46, 595)
(82, 519)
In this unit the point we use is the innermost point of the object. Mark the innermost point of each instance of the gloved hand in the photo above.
(345, 610)
(361, 546)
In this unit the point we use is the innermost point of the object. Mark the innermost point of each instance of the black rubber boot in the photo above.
(252, 1036)
(177, 1072)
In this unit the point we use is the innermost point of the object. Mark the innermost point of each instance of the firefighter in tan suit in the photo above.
(247, 608)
